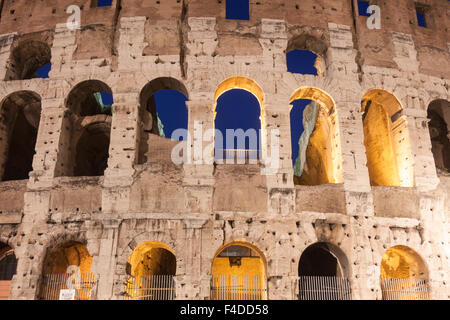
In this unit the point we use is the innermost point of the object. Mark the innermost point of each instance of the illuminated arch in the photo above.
(403, 274)
(238, 263)
(249, 85)
(151, 268)
(8, 266)
(323, 163)
(386, 138)
(67, 266)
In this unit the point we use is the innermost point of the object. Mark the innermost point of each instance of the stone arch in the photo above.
(324, 269)
(251, 86)
(20, 114)
(403, 274)
(151, 123)
(85, 138)
(438, 113)
(321, 161)
(307, 42)
(386, 138)
(67, 265)
(8, 268)
(324, 259)
(81, 100)
(151, 267)
(239, 262)
(26, 58)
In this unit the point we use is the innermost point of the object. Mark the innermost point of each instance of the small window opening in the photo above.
(362, 8)
(238, 9)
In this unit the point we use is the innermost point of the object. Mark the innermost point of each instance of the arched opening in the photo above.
(305, 55)
(439, 126)
(86, 130)
(315, 141)
(67, 269)
(403, 275)
(238, 273)
(323, 273)
(163, 114)
(20, 114)
(8, 266)
(386, 138)
(151, 268)
(238, 119)
(27, 59)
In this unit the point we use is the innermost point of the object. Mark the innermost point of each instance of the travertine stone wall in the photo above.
(197, 208)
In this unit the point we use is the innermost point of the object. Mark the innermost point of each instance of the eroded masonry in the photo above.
(91, 201)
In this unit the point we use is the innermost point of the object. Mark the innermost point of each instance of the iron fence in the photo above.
(238, 287)
(151, 287)
(84, 284)
(324, 288)
(405, 289)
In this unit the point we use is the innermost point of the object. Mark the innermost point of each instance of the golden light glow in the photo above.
(323, 155)
(402, 262)
(251, 86)
(253, 265)
(60, 258)
(149, 258)
(388, 150)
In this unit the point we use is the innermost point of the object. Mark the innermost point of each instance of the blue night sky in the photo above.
(235, 108)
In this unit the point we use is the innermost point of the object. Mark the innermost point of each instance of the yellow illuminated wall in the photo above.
(150, 258)
(323, 155)
(388, 150)
(401, 262)
(60, 258)
(239, 278)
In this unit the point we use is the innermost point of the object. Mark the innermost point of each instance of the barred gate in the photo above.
(238, 287)
(324, 288)
(85, 285)
(405, 289)
(151, 287)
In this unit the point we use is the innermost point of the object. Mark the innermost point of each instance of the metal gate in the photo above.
(324, 288)
(152, 287)
(238, 287)
(405, 289)
(84, 284)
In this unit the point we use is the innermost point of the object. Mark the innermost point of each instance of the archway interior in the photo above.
(19, 122)
(238, 273)
(239, 104)
(315, 142)
(319, 261)
(163, 113)
(404, 275)
(60, 258)
(8, 263)
(401, 262)
(238, 120)
(87, 125)
(8, 267)
(439, 127)
(151, 267)
(151, 258)
(27, 59)
(386, 138)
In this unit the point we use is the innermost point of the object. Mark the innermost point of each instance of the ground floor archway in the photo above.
(238, 273)
(403, 275)
(151, 268)
(323, 273)
(8, 266)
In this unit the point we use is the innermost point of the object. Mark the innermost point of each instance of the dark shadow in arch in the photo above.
(27, 58)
